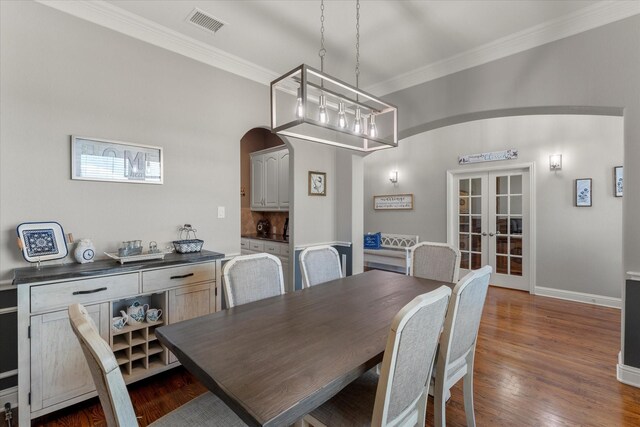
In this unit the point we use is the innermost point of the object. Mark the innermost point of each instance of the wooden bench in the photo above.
(393, 254)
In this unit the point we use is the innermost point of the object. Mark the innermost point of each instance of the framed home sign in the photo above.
(618, 181)
(393, 202)
(583, 192)
(104, 160)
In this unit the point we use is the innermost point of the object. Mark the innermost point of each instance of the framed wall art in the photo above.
(104, 160)
(583, 192)
(618, 172)
(317, 183)
(393, 202)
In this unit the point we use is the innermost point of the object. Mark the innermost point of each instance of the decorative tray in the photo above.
(134, 258)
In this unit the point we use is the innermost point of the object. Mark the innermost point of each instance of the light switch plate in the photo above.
(221, 212)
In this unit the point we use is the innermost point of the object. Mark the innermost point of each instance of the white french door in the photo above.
(491, 224)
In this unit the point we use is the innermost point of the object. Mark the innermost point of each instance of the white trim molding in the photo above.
(109, 16)
(627, 374)
(308, 245)
(588, 18)
(9, 395)
(578, 297)
(633, 275)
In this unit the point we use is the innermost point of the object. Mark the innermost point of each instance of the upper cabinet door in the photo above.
(283, 179)
(257, 182)
(271, 180)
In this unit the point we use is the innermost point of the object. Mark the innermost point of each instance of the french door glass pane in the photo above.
(508, 225)
(470, 221)
(516, 184)
(476, 261)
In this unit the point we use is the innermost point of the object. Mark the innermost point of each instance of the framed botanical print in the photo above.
(317, 183)
(583, 192)
(618, 174)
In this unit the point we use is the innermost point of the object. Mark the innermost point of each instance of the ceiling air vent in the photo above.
(202, 20)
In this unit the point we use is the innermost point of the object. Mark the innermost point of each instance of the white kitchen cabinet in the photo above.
(270, 180)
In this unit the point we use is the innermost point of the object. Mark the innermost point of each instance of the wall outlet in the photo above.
(221, 212)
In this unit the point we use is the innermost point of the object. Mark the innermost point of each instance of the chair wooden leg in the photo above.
(439, 405)
(468, 393)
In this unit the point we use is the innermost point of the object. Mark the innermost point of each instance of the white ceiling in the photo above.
(397, 38)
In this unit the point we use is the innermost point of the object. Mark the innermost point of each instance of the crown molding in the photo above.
(599, 14)
(106, 15)
(117, 19)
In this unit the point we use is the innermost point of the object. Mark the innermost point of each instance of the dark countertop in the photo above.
(28, 275)
(271, 237)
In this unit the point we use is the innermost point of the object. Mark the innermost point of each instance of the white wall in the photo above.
(60, 76)
(314, 216)
(578, 249)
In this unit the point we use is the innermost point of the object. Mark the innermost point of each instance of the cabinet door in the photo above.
(59, 370)
(257, 182)
(271, 180)
(283, 179)
(189, 302)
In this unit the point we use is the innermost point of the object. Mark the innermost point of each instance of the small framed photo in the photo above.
(583, 192)
(317, 183)
(618, 172)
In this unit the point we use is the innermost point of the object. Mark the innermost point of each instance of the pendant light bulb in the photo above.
(342, 117)
(373, 129)
(357, 123)
(299, 105)
(322, 110)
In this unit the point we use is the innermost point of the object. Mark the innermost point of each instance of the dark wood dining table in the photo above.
(275, 360)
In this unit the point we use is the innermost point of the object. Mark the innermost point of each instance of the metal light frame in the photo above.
(354, 96)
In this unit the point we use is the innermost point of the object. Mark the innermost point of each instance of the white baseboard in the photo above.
(578, 297)
(9, 395)
(627, 374)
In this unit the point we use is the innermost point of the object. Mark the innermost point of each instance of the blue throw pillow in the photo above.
(372, 240)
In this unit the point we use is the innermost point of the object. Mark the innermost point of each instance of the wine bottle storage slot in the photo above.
(136, 346)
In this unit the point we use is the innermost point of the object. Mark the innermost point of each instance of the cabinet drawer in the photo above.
(245, 244)
(61, 295)
(284, 250)
(165, 278)
(256, 245)
(272, 248)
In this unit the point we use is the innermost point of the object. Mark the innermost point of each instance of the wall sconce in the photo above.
(555, 162)
(393, 177)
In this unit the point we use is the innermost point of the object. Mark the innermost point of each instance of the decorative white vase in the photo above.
(84, 251)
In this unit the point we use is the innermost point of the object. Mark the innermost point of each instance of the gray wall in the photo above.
(597, 68)
(566, 235)
(61, 76)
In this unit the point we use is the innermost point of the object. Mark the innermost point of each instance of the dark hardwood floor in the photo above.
(539, 362)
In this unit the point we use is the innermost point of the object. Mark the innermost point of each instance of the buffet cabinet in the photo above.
(53, 372)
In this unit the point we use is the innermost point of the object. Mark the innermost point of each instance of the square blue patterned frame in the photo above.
(42, 241)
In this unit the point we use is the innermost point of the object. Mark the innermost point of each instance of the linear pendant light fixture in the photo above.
(311, 105)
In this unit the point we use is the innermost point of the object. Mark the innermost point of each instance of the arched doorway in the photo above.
(265, 197)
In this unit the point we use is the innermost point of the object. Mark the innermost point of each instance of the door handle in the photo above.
(491, 234)
(484, 233)
(93, 291)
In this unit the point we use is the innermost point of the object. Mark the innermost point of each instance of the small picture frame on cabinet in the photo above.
(583, 192)
(618, 173)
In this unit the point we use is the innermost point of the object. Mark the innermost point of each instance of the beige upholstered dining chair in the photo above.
(436, 261)
(399, 395)
(319, 264)
(249, 278)
(458, 343)
(205, 410)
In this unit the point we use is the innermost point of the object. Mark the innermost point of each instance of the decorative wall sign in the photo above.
(42, 241)
(393, 201)
(488, 157)
(317, 183)
(103, 160)
(618, 173)
(583, 192)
